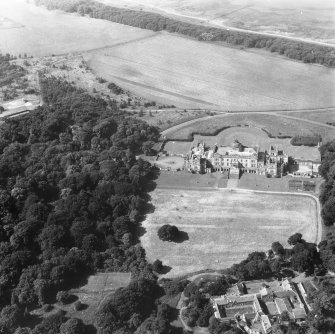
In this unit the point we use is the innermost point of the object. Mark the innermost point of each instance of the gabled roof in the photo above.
(235, 299)
(285, 294)
(272, 308)
(287, 304)
(250, 316)
(281, 305)
(299, 313)
(266, 322)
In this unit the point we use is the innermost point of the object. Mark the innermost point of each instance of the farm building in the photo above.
(236, 159)
(256, 312)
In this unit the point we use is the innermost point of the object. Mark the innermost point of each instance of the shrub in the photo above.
(101, 80)
(305, 140)
(47, 307)
(115, 89)
(173, 287)
(157, 266)
(63, 297)
(78, 305)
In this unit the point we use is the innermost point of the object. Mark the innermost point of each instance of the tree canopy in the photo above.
(71, 196)
(168, 232)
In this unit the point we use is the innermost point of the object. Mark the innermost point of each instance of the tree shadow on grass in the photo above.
(174, 314)
(150, 186)
(90, 329)
(181, 237)
(140, 231)
(32, 320)
(165, 270)
(72, 298)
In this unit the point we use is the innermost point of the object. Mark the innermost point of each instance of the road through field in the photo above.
(223, 114)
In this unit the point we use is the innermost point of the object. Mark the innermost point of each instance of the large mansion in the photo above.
(235, 159)
(255, 313)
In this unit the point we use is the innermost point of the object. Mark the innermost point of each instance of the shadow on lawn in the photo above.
(165, 270)
(181, 237)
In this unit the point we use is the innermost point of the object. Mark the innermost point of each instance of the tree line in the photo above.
(327, 199)
(327, 193)
(302, 51)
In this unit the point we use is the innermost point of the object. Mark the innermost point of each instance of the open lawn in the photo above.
(274, 125)
(223, 226)
(92, 295)
(173, 163)
(40, 32)
(177, 147)
(106, 282)
(259, 182)
(187, 180)
(181, 71)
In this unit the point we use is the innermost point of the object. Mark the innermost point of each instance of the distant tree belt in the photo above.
(9, 71)
(306, 52)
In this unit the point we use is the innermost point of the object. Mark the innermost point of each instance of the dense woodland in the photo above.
(327, 171)
(72, 195)
(303, 51)
(327, 199)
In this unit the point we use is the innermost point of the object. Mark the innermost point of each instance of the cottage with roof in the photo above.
(277, 297)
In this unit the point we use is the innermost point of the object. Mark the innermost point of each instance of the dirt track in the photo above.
(273, 113)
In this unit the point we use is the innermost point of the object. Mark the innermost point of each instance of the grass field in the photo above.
(173, 163)
(41, 32)
(168, 68)
(322, 116)
(94, 292)
(187, 180)
(181, 71)
(259, 182)
(303, 18)
(222, 226)
(177, 147)
(277, 126)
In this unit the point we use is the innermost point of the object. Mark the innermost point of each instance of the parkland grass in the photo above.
(222, 226)
(91, 295)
